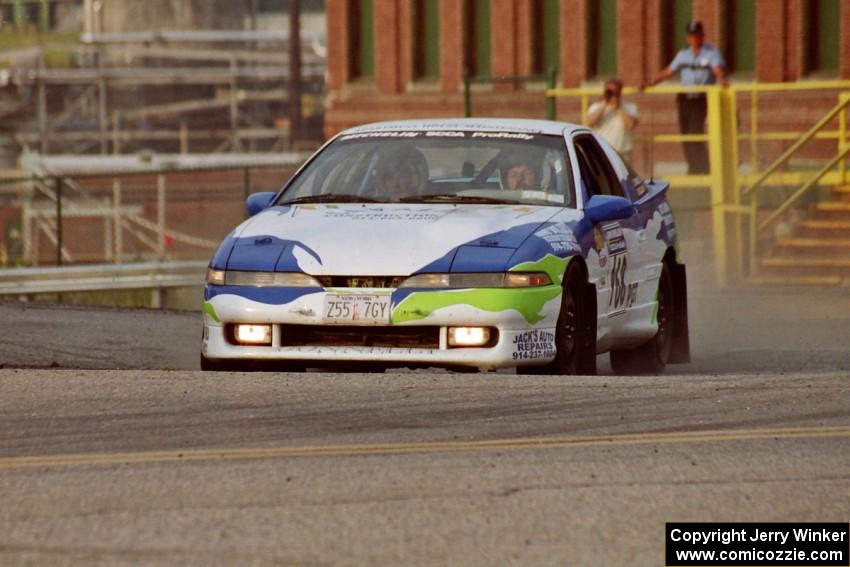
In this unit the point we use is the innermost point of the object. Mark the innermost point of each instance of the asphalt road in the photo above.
(149, 466)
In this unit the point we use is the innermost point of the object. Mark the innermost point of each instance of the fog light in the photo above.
(254, 334)
(468, 336)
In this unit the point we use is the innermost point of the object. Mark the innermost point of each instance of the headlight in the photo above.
(468, 336)
(215, 277)
(526, 279)
(253, 334)
(261, 279)
(498, 279)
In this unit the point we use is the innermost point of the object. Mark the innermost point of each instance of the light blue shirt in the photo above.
(696, 70)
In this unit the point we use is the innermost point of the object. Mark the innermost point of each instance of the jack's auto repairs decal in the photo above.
(534, 344)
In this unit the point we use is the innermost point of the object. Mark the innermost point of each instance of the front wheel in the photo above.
(575, 334)
(651, 357)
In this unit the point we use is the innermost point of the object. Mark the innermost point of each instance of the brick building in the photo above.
(392, 59)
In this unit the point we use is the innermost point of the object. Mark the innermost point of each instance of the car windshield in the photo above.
(437, 167)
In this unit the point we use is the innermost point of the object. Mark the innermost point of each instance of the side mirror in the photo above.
(600, 208)
(257, 202)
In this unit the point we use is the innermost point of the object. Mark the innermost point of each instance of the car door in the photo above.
(653, 212)
(616, 243)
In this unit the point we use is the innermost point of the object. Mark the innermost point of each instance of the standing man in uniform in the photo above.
(699, 64)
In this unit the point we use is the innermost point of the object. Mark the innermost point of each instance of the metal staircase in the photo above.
(817, 252)
(805, 245)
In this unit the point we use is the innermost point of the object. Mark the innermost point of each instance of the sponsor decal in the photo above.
(560, 238)
(380, 135)
(437, 134)
(615, 238)
(442, 125)
(373, 214)
(444, 134)
(502, 135)
(667, 219)
(534, 344)
(599, 246)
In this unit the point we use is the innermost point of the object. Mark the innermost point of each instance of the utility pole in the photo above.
(294, 91)
(88, 14)
(252, 15)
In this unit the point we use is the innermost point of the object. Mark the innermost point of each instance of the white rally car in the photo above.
(466, 243)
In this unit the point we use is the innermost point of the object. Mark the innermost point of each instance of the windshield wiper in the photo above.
(455, 198)
(329, 198)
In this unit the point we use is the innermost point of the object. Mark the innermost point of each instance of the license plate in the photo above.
(357, 309)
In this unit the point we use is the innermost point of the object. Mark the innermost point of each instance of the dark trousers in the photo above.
(692, 113)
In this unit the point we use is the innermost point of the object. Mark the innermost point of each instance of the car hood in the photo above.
(382, 240)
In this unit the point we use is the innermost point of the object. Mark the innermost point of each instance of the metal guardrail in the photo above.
(78, 167)
(101, 277)
(197, 36)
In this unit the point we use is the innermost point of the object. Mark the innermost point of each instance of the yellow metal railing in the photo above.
(730, 181)
(756, 226)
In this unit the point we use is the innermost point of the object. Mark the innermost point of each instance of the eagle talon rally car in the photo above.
(461, 243)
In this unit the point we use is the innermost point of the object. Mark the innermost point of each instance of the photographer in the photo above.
(613, 118)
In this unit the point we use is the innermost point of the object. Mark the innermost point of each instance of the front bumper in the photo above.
(524, 318)
(514, 348)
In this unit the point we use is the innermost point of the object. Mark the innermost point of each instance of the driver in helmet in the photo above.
(401, 174)
(519, 172)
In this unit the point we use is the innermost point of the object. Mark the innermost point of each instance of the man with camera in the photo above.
(614, 119)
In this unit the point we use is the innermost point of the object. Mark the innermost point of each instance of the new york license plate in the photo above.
(357, 309)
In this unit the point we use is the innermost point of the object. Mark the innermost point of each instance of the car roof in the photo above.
(467, 124)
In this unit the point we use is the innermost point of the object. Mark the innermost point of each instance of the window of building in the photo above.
(740, 48)
(283, 5)
(603, 33)
(822, 24)
(362, 35)
(426, 39)
(478, 37)
(675, 15)
(545, 36)
(26, 15)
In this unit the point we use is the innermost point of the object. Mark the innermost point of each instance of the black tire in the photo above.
(652, 356)
(575, 332)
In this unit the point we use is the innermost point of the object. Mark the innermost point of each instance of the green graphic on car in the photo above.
(528, 302)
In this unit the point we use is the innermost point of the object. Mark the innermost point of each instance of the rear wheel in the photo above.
(652, 356)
